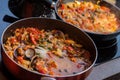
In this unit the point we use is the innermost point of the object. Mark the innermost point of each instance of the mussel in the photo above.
(59, 34)
(18, 52)
(34, 61)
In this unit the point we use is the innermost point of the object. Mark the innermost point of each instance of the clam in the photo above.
(29, 53)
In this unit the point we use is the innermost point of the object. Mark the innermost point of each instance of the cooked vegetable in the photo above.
(89, 16)
(48, 52)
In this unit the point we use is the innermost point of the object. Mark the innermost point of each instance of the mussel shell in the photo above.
(33, 61)
(60, 34)
(18, 52)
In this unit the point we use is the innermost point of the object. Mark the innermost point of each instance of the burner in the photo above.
(107, 43)
(106, 50)
(118, 3)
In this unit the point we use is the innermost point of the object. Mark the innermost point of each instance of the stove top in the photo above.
(12, 10)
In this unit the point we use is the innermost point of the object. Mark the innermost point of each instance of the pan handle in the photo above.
(47, 78)
(9, 19)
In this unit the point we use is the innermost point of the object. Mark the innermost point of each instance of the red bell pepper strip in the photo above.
(33, 39)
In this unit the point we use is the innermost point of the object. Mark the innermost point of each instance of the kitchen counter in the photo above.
(109, 70)
(106, 71)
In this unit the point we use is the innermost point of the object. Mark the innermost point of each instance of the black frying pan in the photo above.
(95, 36)
(28, 8)
(104, 42)
(101, 40)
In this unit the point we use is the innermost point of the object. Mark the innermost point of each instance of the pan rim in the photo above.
(93, 63)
